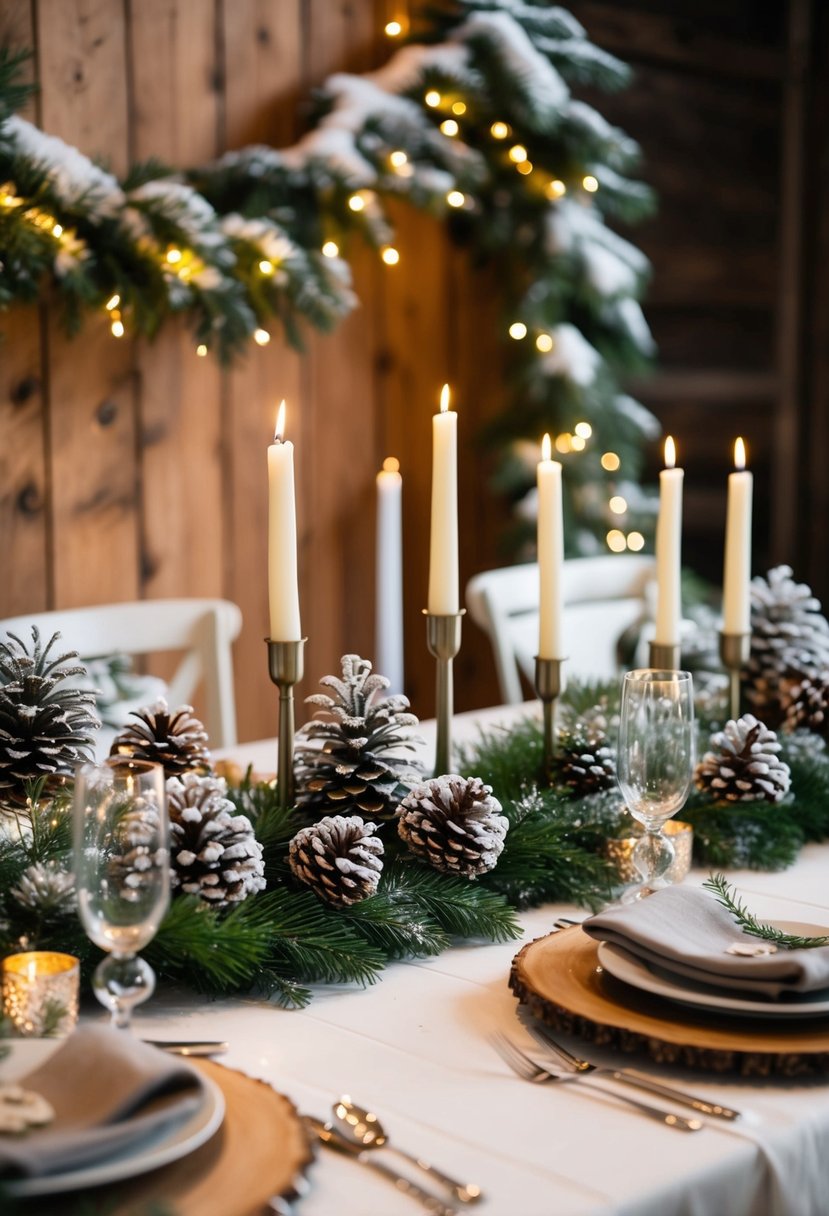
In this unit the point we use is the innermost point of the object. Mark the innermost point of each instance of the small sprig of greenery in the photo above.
(729, 899)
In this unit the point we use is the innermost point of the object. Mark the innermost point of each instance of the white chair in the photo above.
(602, 597)
(203, 628)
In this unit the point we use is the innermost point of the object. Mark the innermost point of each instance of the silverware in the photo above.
(363, 1128)
(335, 1140)
(196, 1047)
(627, 1076)
(530, 1070)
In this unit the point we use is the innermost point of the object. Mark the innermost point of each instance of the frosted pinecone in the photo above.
(454, 823)
(585, 762)
(175, 739)
(807, 704)
(351, 761)
(339, 858)
(46, 888)
(46, 725)
(745, 767)
(789, 640)
(213, 851)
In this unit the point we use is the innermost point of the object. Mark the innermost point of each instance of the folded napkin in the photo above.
(108, 1090)
(685, 930)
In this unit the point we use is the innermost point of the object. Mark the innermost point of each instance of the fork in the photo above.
(626, 1076)
(527, 1068)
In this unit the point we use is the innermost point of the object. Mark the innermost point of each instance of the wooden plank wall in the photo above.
(129, 471)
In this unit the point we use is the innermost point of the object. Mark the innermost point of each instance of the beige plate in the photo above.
(559, 978)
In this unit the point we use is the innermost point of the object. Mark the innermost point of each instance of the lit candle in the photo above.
(282, 566)
(444, 598)
(669, 550)
(389, 575)
(550, 554)
(737, 567)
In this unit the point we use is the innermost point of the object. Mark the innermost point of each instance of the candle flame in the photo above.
(279, 431)
(670, 453)
(444, 399)
(739, 454)
(546, 448)
(391, 465)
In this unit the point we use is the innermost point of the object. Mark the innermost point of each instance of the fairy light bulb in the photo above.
(564, 442)
(499, 130)
(432, 98)
(112, 302)
(261, 337)
(390, 255)
(201, 350)
(393, 29)
(449, 127)
(556, 188)
(590, 183)
(174, 256)
(266, 267)
(618, 504)
(526, 167)
(635, 541)
(610, 462)
(117, 328)
(518, 154)
(578, 444)
(455, 198)
(544, 343)
(459, 107)
(398, 158)
(518, 330)
(616, 541)
(330, 249)
(583, 429)
(356, 202)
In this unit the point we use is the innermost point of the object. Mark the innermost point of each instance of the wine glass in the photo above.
(122, 873)
(655, 762)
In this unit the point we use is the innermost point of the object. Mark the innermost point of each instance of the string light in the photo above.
(455, 198)
(261, 337)
(330, 249)
(610, 462)
(458, 107)
(112, 302)
(449, 127)
(556, 188)
(525, 167)
(590, 183)
(636, 541)
(201, 350)
(266, 266)
(517, 154)
(390, 255)
(393, 29)
(174, 256)
(544, 343)
(356, 202)
(432, 98)
(57, 230)
(578, 444)
(616, 541)
(117, 327)
(564, 442)
(518, 330)
(398, 158)
(584, 430)
(499, 130)
(618, 504)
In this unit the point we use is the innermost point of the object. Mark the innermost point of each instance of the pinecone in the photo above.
(746, 768)
(214, 852)
(807, 705)
(338, 858)
(135, 869)
(454, 823)
(789, 639)
(350, 762)
(177, 740)
(46, 727)
(584, 762)
(46, 888)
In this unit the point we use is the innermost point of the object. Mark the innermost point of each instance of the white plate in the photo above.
(631, 970)
(149, 1154)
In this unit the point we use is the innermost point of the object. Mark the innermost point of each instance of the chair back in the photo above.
(203, 628)
(602, 597)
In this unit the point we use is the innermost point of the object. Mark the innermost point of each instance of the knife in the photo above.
(185, 1047)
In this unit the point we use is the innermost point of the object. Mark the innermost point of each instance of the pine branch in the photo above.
(727, 896)
(461, 907)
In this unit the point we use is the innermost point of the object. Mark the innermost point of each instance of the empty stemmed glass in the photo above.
(122, 873)
(655, 762)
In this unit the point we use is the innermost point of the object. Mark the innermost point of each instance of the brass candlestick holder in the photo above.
(443, 637)
(549, 685)
(286, 664)
(665, 656)
(734, 651)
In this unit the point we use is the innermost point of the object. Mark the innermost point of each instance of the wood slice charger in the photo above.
(559, 979)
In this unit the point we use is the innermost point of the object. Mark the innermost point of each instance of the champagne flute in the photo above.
(655, 763)
(122, 873)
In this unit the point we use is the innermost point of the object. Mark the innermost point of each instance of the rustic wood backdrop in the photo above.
(130, 470)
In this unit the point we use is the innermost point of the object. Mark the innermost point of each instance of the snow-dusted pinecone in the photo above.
(175, 739)
(454, 823)
(789, 640)
(350, 763)
(45, 887)
(46, 726)
(213, 851)
(584, 762)
(745, 766)
(807, 704)
(339, 858)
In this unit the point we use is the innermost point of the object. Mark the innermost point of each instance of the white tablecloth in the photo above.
(414, 1048)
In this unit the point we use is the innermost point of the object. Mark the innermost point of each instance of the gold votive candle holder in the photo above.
(40, 992)
(620, 853)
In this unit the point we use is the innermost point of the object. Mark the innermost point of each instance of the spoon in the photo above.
(363, 1128)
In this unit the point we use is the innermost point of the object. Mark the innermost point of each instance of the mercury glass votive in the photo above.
(40, 992)
(620, 853)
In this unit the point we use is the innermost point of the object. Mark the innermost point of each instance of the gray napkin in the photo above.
(685, 930)
(108, 1090)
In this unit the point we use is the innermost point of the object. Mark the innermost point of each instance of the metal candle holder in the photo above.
(665, 656)
(734, 651)
(443, 637)
(286, 665)
(549, 685)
